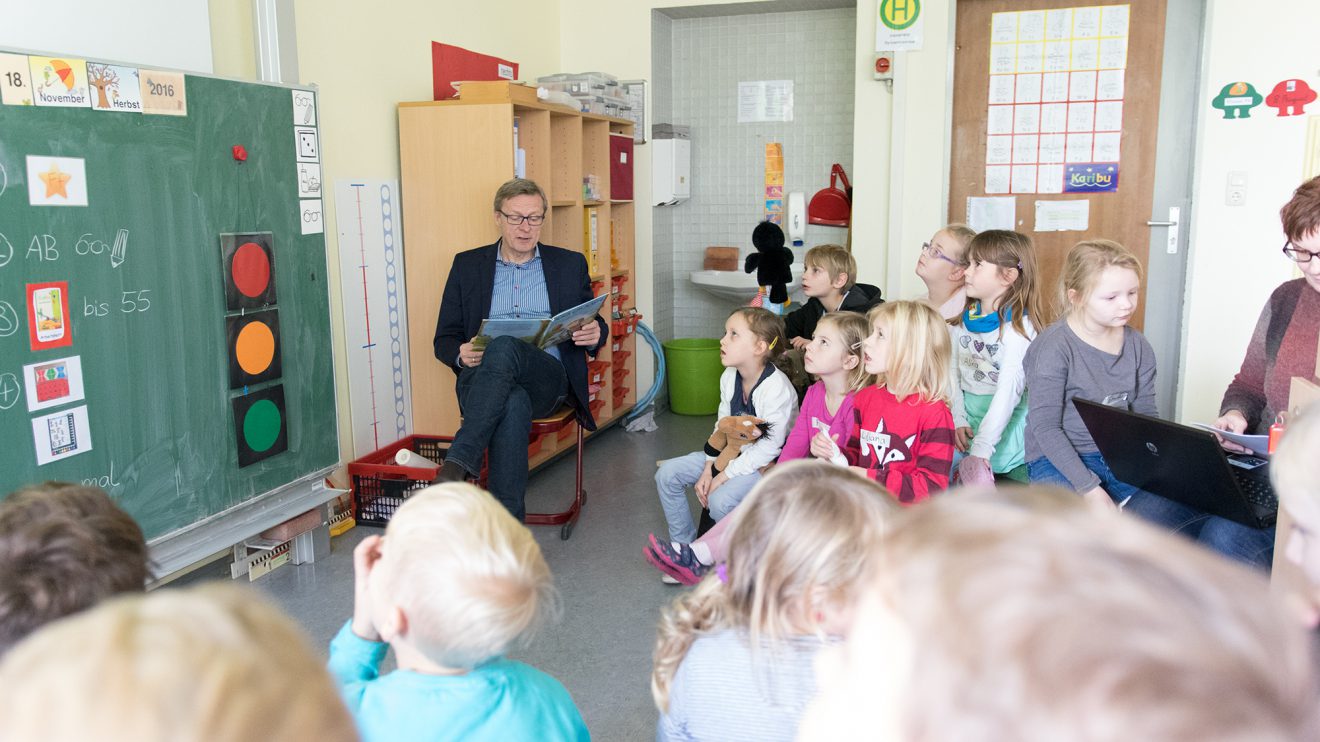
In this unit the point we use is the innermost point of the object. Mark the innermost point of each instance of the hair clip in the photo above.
(856, 345)
(722, 572)
(773, 342)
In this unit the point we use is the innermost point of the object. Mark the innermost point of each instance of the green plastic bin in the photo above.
(693, 367)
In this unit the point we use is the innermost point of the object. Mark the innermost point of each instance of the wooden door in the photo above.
(1020, 58)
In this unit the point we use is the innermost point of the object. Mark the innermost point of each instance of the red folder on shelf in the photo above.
(451, 63)
(621, 167)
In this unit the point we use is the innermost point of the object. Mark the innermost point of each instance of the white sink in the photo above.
(736, 285)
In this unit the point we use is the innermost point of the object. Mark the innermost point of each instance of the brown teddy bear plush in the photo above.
(731, 434)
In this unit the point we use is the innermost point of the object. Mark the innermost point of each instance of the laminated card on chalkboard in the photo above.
(260, 425)
(254, 348)
(249, 270)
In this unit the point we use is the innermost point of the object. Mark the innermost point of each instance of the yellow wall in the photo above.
(233, 51)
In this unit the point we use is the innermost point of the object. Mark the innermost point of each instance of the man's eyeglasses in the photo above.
(934, 252)
(1297, 254)
(535, 220)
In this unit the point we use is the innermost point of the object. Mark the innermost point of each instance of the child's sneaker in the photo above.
(682, 564)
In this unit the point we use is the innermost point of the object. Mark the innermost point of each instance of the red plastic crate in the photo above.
(380, 486)
(566, 432)
(617, 283)
(593, 392)
(534, 447)
(620, 356)
(596, 371)
(595, 407)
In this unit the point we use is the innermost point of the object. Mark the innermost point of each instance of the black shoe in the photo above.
(450, 471)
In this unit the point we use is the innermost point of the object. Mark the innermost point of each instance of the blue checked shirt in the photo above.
(520, 292)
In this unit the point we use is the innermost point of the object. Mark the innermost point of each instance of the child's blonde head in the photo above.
(1295, 472)
(834, 260)
(962, 235)
(469, 577)
(1083, 266)
(798, 546)
(1022, 617)
(853, 329)
(1015, 255)
(918, 349)
(767, 326)
(216, 663)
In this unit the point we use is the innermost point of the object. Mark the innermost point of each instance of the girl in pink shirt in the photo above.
(834, 356)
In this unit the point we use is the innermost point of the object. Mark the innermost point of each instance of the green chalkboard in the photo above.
(146, 297)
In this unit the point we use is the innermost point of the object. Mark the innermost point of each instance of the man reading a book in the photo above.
(505, 383)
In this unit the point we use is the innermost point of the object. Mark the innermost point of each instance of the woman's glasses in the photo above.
(934, 252)
(1297, 254)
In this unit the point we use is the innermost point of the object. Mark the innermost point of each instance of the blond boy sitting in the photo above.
(452, 585)
(216, 663)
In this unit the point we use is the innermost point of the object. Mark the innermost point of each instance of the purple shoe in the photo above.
(682, 565)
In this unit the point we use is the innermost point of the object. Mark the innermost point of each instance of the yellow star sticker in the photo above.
(55, 181)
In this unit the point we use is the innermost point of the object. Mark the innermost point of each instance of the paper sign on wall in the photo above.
(59, 81)
(163, 93)
(56, 181)
(310, 216)
(304, 108)
(53, 383)
(765, 100)
(114, 88)
(999, 212)
(900, 26)
(1063, 216)
(48, 315)
(15, 80)
(61, 435)
(1055, 95)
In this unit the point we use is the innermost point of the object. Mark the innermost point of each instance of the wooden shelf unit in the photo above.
(453, 156)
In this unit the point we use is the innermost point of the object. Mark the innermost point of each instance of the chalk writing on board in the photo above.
(130, 302)
(6, 251)
(119, 250)
(87, 244)
(105, 481)
(9, 391)
(44, 247)
(4, 180)
(8, 319)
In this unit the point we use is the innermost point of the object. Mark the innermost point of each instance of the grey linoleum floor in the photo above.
(600, 648)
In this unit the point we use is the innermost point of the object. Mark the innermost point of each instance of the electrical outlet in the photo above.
(1235, 193)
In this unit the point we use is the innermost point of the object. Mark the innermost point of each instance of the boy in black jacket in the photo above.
(829, 281)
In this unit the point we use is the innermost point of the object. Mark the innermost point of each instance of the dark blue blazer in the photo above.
(466, 302)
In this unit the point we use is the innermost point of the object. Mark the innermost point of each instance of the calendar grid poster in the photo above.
(1056, 100)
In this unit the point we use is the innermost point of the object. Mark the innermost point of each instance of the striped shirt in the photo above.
(723, 691)
(520, 291)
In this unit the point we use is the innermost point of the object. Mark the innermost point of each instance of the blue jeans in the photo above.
(515, 383)
(676, 475)
(1252, 546)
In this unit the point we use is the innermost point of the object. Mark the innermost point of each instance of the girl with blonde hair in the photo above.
(734, 657)
(215, 663)
(902, 433)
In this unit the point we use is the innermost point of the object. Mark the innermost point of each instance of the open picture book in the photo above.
(543, 333)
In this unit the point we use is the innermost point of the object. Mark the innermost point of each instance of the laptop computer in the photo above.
(1184, 464)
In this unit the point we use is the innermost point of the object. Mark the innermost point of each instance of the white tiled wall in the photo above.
(709, 57)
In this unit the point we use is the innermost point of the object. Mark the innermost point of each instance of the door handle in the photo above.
(1171, 246)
